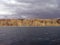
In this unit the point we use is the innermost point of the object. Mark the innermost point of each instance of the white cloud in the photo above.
(24, 16)
(9, 1)
(14, 2)
(6, 10)
(3, 12)
(52, 6)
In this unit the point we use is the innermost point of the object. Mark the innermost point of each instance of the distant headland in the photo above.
(30, 22)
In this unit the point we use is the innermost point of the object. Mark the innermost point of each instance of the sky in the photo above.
(29, 8)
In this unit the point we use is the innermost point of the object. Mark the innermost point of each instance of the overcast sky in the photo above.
(30, 8)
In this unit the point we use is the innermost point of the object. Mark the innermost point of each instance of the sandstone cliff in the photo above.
(29, 22)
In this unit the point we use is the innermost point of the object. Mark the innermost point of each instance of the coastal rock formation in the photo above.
(29, 22)
(58, 21)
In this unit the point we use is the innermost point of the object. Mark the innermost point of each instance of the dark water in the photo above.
(29, 35)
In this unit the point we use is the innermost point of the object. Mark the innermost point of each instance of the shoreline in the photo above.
(30, 22)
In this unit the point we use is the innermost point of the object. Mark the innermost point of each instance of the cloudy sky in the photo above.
(29, 8)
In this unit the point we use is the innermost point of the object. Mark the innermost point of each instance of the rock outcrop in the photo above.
(29, 22)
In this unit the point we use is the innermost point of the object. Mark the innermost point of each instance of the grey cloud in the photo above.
(32, 8)
(41, 9)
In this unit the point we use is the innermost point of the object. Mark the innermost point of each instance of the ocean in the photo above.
(29, 35)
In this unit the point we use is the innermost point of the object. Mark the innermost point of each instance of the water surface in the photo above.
(29, 35)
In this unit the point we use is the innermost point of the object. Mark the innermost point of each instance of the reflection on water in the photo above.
(29, 35)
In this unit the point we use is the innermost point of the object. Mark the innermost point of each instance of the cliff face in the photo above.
(29, 22)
